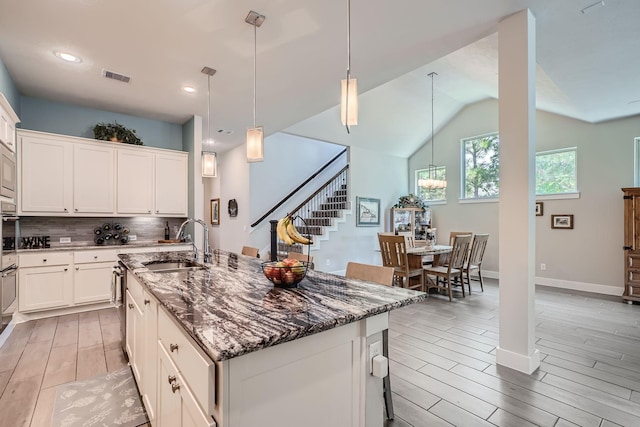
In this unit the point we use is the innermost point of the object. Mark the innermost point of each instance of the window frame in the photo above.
(566, 194)
(463, 171)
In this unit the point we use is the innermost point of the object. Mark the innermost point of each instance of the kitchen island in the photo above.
(221, 346)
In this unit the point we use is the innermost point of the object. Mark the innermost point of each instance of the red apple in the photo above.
(289, 262)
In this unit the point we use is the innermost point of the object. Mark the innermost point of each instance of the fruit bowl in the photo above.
(286, 273)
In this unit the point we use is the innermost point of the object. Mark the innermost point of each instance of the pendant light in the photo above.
(349, 86)
(255, 135)
(209, 159)
(431, 182)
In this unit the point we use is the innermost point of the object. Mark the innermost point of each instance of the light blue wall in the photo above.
(9, 89)
(68, 119)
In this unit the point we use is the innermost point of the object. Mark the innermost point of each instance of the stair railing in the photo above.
(298, 188)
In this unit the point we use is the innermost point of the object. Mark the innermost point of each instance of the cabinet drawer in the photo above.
(43, 259)
(102, 255)
(196, 367)
(633, 261)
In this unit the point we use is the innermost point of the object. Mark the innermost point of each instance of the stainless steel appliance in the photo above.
(118, 291)
(7, 172)
(8, 262)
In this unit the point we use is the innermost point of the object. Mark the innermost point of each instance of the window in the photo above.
(556, 172)
(480, 167)
(431, 194)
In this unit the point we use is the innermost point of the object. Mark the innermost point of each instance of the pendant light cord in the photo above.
(255, 54)
(209, 109)
(433, 137)
(346, 109)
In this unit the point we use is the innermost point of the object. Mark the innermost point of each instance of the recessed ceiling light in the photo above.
(66, 56)
(189, 89)
(225, 132)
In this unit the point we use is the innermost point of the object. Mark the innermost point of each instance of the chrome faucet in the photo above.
(207, 248)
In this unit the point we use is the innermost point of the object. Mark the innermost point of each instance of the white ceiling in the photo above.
(587, 63)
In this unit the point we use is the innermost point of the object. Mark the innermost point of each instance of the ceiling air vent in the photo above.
(115, 76)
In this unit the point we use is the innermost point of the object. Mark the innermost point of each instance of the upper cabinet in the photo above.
(61, 175)
(8, 120)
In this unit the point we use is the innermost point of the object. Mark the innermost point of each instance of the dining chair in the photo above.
(444, 259)
(453, 270)
(383, 276)
(394, 254)
(300, 256)
(474, 261)
(249, 251)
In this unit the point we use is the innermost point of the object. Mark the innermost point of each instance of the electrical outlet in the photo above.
(543, 267)
(65, 240)
(375, 349)
(132, 237)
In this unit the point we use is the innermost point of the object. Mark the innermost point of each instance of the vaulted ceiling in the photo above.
(587, 62)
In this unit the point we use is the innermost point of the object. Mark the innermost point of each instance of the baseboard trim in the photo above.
(568, 284)
(519, 362)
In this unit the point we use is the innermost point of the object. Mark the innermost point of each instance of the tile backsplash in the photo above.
(80, 230)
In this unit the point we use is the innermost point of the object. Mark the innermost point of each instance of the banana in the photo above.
(295, 235)
(282, 230)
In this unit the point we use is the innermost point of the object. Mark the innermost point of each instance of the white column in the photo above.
(517, 66)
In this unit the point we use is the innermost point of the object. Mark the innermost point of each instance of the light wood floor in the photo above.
(444, 372)
(442, 363)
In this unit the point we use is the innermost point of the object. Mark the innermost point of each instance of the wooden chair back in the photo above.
(461, 243)
(453, 234)
(249, 251)
(370, 273)
(300, 256)
(394, 251)
(477, 249)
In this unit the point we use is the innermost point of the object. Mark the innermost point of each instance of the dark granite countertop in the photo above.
(231, 308)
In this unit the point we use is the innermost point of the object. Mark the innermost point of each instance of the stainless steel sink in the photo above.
(169, 266)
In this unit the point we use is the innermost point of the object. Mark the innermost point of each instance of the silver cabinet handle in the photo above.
(131, 306)
(147, 302)
(173, 347)
(171, 378)
(149, 211)
(66, 269)
(44, 260)
(175, 387)
(77, 268)
(66, 210)
(95, 257)
(76, 209)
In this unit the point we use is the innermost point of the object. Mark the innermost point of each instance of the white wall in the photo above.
(372, 175)
(589, 257)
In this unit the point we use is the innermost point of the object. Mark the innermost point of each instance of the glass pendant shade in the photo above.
(255, 144)
(349, 102)
(209, 165)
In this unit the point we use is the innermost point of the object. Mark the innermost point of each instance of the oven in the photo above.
(7, 172)
(8, 263)
(118, 291)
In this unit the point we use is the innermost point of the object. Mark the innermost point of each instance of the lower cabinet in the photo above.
(45, 281)
(177, 406)
(92, 282)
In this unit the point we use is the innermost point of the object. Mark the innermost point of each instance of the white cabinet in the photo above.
(171, 192)
(8, 120)
(92, 275)
(135, 182)
(93, 179)
(45, 281)
(63, 175)
(177, 405)
(46, 175)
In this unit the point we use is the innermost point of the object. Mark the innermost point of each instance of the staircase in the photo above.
(321, 212)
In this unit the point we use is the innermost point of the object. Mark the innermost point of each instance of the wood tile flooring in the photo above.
(442, 363)
(443, 369)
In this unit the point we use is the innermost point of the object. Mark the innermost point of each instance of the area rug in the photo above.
(107, 400)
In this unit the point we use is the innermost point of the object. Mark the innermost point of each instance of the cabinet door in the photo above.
(171, 190)
(134, 182)
(93, 180)
(92, 282)
(46, 175)
(177, 406)
(150, 363)
(42, 288)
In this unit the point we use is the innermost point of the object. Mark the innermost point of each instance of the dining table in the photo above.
(416, 254)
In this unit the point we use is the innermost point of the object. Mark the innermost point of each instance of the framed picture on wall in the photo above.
(539, 207)
(562, 221)
(215, 211)
(368, 212)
